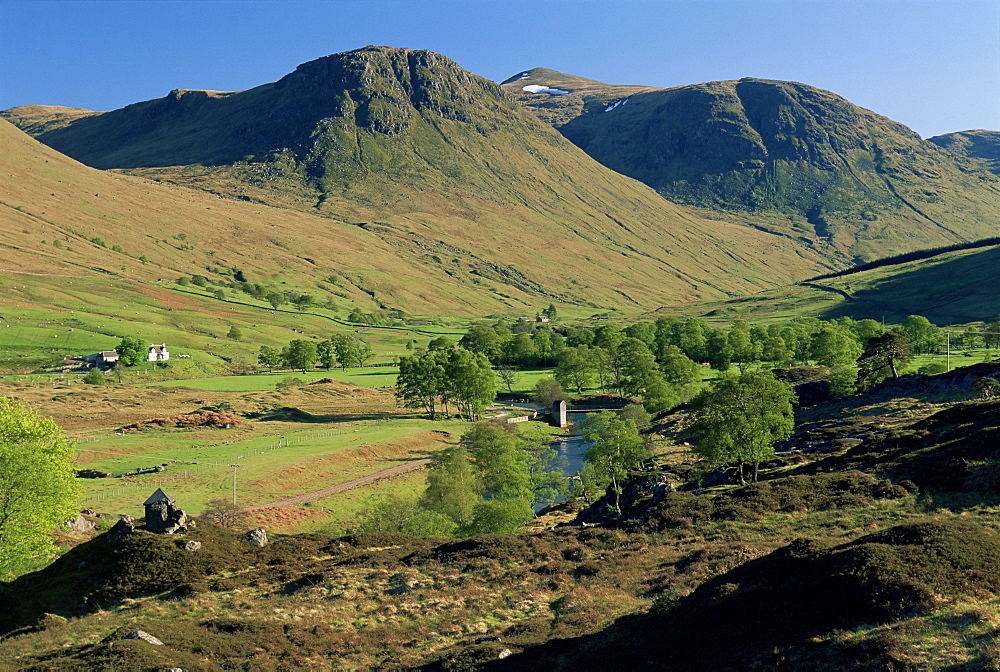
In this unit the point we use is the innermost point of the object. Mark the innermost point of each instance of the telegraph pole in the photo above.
(234, 466)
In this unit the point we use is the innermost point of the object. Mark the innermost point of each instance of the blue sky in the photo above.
(933, 65)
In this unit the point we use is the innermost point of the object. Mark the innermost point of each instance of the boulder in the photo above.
(258, 537)
(192, 545)
(124, 526)
(81, 525)
(143, 635)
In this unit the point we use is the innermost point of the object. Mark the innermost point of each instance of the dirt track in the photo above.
(346, 485)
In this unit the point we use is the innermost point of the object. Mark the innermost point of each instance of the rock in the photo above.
(159, 468)
(81, 525)
(258, 537)
(503, 654)
(88, 512)
(143, 635)
(192, 545)
(491, 638)
(126, 525)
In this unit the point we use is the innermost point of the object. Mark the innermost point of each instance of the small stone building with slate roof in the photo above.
(162, 515)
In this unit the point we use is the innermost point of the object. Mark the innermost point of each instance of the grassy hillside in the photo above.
(954, 287)
(981, 145)
(492, 209)
(851, 181)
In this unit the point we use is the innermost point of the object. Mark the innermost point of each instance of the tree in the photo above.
(94, 377)
(637, 367)
(925, 336)
(421, 380)
(740, 418)
(38, 489)
(325, 353)
(986, 386)
(132, 350)
(299, 354)
(885, 354)
(439, 343)
(509, 376)
(469, 381)
(678, 368)
(346, 350)
(392, 513)
(613, 446)
(547, 392)
(453, 488)
(234, 333)
(269, 357)
(223, 512)
(483, 339)
(833, 346)
(575, 368)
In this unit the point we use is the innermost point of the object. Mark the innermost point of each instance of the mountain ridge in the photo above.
(486, 195)
(845, 178)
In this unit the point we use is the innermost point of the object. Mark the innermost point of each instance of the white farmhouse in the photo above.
(158, 353)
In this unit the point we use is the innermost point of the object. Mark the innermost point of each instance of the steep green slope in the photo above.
(854, 182)
(442, 168)
(982, 145)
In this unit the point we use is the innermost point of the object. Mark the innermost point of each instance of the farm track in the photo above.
(346, 485)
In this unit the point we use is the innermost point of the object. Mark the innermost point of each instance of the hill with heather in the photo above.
(802, 161)
(435, 165)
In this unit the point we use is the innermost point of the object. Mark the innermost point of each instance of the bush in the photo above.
(290, 381)
(94, 377)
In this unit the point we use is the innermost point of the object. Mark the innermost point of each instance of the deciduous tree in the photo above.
(740, 418)
(38, 489)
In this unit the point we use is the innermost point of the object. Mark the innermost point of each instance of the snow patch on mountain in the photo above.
(538, 88)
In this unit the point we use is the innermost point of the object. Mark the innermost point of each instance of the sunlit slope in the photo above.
(59, 216)
(795, 158)
(444, 169)
(980, 145)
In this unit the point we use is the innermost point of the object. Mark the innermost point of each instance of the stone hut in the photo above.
(162, 516)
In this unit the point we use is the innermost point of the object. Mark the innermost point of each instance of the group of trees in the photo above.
(441, 377)
(489, 483)
(301, 354)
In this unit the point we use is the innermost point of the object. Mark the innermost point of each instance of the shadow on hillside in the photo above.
(952, 292)
(293, 414)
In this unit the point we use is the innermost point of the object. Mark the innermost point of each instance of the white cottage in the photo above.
(158, 353)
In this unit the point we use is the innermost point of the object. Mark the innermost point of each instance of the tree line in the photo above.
(303, 354)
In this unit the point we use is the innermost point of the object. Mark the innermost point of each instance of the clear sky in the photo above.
(933, 65)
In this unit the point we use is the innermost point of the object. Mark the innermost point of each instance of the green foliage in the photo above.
(269, 357)
(987, 386)
(299, 354)
(94, 377)
(548, 391)
(885, 355)
(132, 351)
(740, 418)
(393, 513)
(289, 381)
(38, 490)
(453, 487)
(235, 333)
(613, 447)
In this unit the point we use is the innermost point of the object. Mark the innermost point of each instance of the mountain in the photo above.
(443, 169)
(982, 145)
(802, 161)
